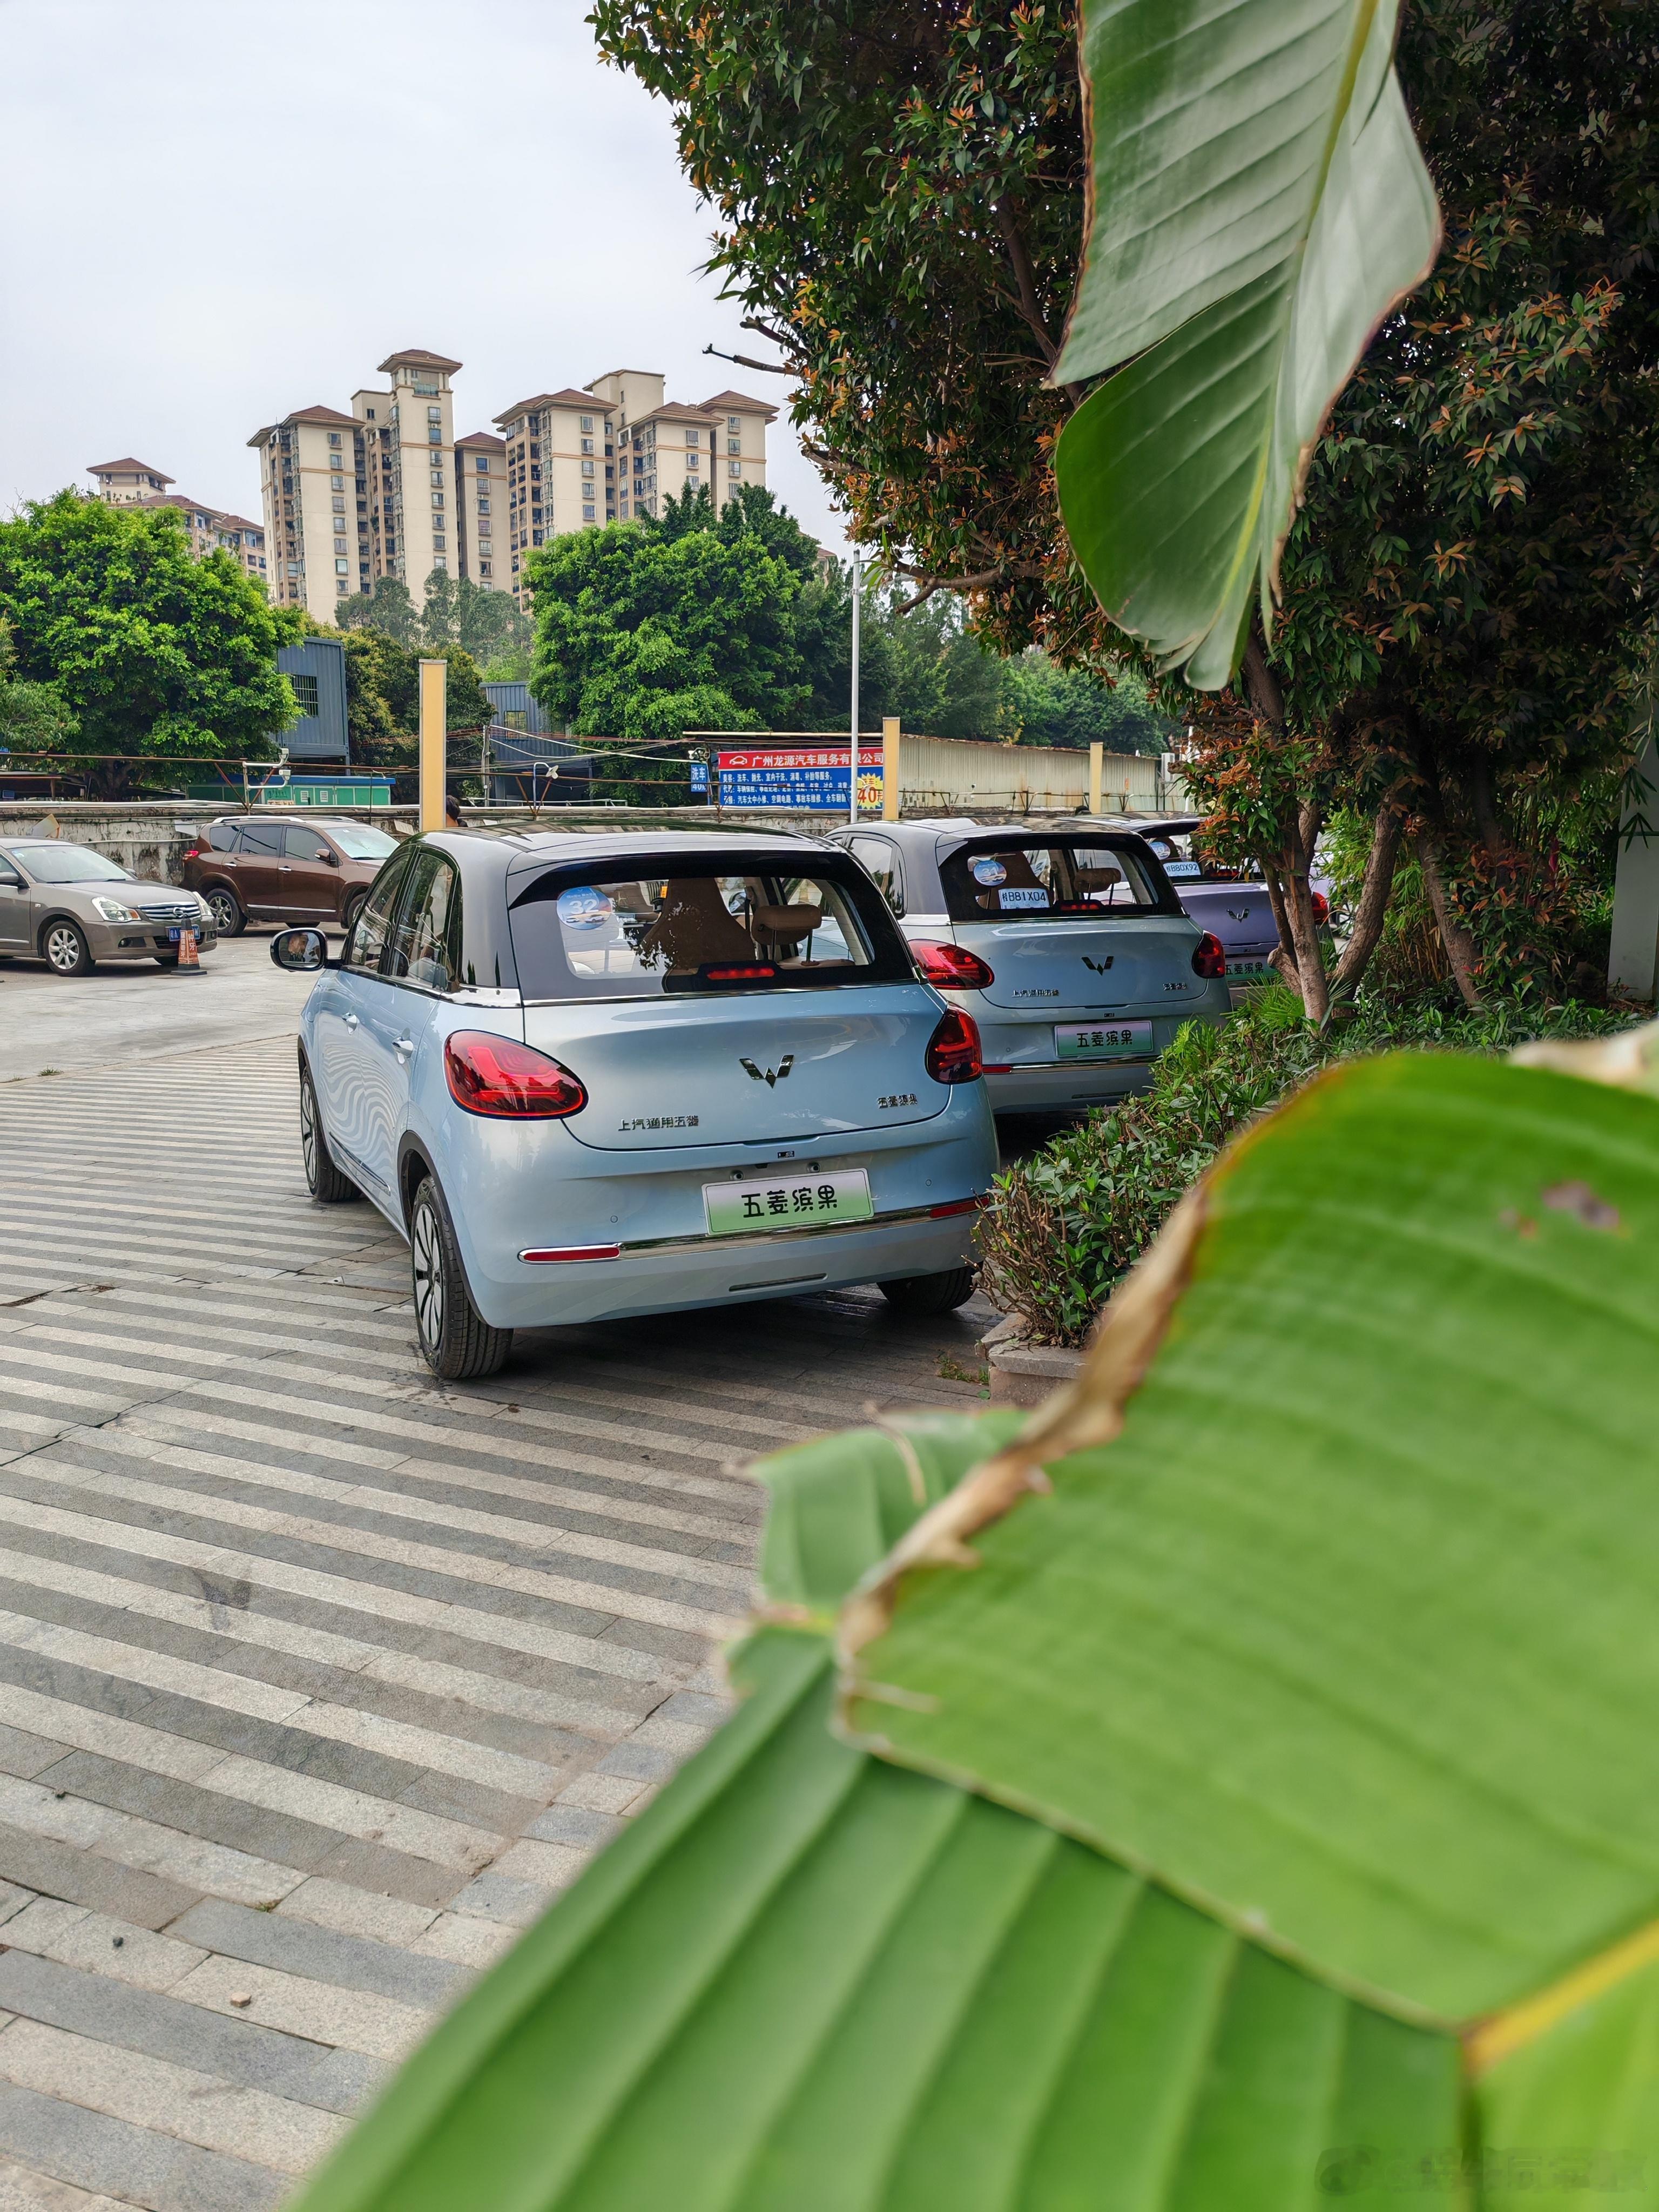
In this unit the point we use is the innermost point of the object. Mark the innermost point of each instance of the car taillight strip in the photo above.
(573, 1252)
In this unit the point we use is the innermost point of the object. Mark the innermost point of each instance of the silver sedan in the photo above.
(71, 906)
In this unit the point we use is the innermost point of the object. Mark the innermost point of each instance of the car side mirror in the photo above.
(302, 950)
(330, 856)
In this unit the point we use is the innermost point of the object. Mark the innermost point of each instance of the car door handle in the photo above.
(404, 1044)
(350, 1020)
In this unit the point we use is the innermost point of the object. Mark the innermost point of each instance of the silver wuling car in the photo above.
(595, 1076)
(1064, 942)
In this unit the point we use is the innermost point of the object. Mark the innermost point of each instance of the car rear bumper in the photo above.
(680, 1272)
(1023, 1075)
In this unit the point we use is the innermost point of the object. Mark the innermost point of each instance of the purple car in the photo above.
(1233, 908)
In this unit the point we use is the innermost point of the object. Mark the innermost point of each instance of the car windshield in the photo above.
(69, 864)
(359, 842)
(723, 924)
(1050, 878)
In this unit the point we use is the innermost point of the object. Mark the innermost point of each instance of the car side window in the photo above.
(9, 878)
(221, 836)
(365, 948)
(426, 936)
(304, 844)
(263, 837)
(880, 860)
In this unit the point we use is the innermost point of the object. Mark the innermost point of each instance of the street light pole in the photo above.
(852, 743)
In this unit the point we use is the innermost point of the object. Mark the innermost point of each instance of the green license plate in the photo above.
(1101, 1040)
(798, 1202)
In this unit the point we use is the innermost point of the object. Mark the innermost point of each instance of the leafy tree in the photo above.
(644, 632)
(458, 612)
(388, 608)
(900, 197)
(151, 650)
(32, 716)
(1468, 589)
(383, 710)
(1046, 705)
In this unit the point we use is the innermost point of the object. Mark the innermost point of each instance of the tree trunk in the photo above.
(1458, 943)
(1372, 909)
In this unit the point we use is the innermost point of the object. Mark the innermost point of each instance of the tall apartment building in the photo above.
(209, 529)
(480, 505)
(405, 445)
(349, 498)
(389, 490)
(612, 451)
(124, 483)
(305, 466)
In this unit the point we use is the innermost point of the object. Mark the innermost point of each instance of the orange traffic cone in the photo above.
(190, 961)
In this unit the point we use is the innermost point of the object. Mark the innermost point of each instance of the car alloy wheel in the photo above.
(66, 950)
(457, 1342)
(323, 1178)
(226, 914)
(426, 1252)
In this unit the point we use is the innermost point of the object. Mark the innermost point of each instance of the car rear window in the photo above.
(726, 923)
(1052, 878)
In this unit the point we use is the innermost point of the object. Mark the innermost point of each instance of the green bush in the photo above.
(1067, 1223)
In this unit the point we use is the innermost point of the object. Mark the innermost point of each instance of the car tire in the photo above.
(228, 919)
(323, 1178)
(64, 949)
(354, 906)
(920, 1296)
(457, 1343)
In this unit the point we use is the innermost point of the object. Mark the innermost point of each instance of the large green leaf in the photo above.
(1258, 205)
(809, 1982)
(1352, 1636)
(840, 1504)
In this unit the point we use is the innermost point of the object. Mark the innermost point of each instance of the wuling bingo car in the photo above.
(1232, 903)
(1067, 946)
(593, 1076)
(72, 908)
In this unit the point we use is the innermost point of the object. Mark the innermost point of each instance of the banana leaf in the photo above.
(1258, 205)
(1351, 1633)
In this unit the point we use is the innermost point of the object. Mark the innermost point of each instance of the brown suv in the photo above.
(271, 867)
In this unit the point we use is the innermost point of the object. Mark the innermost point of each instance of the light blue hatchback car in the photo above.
(593, 1076)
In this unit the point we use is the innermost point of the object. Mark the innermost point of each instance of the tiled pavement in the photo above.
(317, 1679)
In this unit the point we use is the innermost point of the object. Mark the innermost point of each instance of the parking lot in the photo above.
(318, 1679)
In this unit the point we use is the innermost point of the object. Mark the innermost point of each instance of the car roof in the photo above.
(307, 816)
(523, 847)
(946, 834)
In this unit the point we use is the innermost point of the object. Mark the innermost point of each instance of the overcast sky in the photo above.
(213, 211)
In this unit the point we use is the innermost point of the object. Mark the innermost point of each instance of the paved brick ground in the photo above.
(318, 1680)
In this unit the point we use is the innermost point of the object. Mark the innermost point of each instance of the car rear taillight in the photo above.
(1209, 958)
(1321, 909)
(493, 1075)
(194, 854)
(950, 967)
(953, 1051)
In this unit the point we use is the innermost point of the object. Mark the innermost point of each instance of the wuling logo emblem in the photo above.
(770, 1076)
(1099, 966)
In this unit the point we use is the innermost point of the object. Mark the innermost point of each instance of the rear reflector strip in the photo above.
(998, 1068)
(575, 1252)
(958, 1205)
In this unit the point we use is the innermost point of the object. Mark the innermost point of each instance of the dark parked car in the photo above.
(271, 867)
